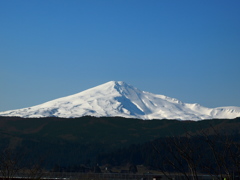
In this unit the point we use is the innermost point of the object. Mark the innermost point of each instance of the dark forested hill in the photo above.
(80, 140)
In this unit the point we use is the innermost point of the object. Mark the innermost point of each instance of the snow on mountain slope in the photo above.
(116, 98)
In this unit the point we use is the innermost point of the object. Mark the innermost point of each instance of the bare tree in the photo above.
(182, 157)
(13, 164)
(226, 153)
(35, 170)
(216, 155)
(9, 164)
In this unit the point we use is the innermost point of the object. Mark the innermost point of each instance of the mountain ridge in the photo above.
(117, 98)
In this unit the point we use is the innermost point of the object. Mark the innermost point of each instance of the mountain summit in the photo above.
(117, 98)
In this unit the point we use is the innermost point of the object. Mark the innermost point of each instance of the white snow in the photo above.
(116, 98)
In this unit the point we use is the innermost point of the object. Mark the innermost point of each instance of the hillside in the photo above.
(77, 140)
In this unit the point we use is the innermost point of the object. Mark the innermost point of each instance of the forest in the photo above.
(86, 143)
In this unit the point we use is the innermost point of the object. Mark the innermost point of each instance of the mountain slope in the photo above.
(116, 98)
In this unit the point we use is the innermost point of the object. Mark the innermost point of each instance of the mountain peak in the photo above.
(119, 86)
(116, 84)
(117, 98)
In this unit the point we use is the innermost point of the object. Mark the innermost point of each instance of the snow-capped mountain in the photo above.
(116, 98)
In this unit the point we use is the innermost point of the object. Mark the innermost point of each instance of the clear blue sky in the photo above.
(189, 50)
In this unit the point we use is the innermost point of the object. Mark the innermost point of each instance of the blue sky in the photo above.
(189, 50)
